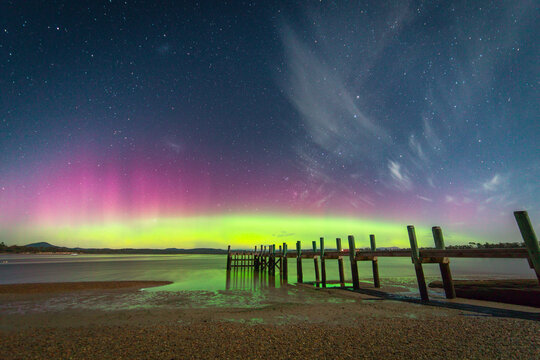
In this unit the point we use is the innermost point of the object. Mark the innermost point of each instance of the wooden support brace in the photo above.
(365, 258)
(434, 260)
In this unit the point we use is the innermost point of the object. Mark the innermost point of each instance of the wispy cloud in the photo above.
(416, 148)
(424, 198)
(450, 199)
(329, 110)
(400, 179)
(493, 183)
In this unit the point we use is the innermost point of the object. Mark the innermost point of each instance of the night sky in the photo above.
(131, 123)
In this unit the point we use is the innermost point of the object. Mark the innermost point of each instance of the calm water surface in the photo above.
(200, 281)
(207, 272)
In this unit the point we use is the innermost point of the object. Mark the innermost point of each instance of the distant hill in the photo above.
(41, 245)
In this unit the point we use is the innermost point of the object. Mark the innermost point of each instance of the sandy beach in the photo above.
(119, 321)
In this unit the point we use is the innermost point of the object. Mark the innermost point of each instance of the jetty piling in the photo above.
(271, 260)
(374, 262)
(263, 262)
(354, 265)
(299, 275)
(323, 263)
(255, 260)
(284, 264)
(444, 264)
(415, 255)
(316, 264)
(229, 258)
(340, 263)
(531, 242)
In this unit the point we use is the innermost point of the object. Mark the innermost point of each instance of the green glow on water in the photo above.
(218, 231)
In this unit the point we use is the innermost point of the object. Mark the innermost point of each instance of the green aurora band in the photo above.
(218, 231)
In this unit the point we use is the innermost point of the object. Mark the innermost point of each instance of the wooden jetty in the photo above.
(266, 259)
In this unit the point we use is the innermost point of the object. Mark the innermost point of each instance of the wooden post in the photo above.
(444, 266)
(529, 237)
(340, 263)
(272, 265)
(284, 263)
(323, 264)
(265, 256)
(229, 258)
(374, 263)
(273, 259)
(354, 265)
(415, 255)
(299, 275)
(228, 280)
(255, 260)
(316, 264)
(270, 260)
(280, 262)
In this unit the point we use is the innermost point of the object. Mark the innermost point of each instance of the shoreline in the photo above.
(296, 322)
(57, 287)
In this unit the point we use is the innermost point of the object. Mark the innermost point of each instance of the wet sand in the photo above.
(295, 322)
(40, 288)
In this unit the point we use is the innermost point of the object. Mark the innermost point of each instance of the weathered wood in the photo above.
(229, 257)
(271, 260)
(354, 265)
(374, 263)
(255, 260)
(444, 266)
(475, 253)
(529, 237)
(323, 264)
(426, 253)
(434, 260)
(316, 264)
(265, 259)
(280, 254)
(284, 264)
(274, 259)
(271, 265)
(299, 275)
(415, 255)
(340, 263)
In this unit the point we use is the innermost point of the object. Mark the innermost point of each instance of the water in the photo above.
(207, 272)
(200, 281)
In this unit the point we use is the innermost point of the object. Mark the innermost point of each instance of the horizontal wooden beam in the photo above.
(475, 253)
(424, 253)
